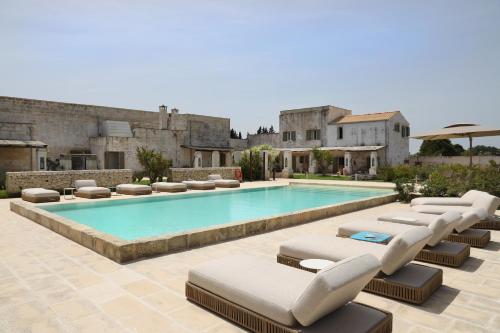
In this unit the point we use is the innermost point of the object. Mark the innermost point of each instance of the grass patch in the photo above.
(3, 194)
(320, 177)
(143, 182)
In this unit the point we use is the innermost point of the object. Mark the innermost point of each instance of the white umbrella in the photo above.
(460, 131)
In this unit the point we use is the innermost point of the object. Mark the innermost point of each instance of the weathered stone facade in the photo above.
(180, 174)
(69, 128)
(57, 180)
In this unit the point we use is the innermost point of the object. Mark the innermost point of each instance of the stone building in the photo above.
(358, 143)
(40, 135)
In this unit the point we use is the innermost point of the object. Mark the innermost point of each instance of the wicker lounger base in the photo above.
(490, 225)
(172, 190)
(134, 192)
(473, 237)
(393, 286)
(34, 199)
(445, 253)
(227, 185)
(92, 195)
(256, 323)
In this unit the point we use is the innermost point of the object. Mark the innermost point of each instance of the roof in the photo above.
(312, 109)
(347, 148)
(208, 148)
(22, 144)
(365, 117)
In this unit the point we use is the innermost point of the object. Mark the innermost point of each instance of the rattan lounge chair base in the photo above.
(254, 322)
(400, 285)
(473, 237)
(35, 199)
(172, 190)
(445, 253)
(492, 224)
(134, 192)
(227, 185)
(92, 195)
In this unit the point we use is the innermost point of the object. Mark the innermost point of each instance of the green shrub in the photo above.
(154, 164)
(137, 176)
(255, 165)
(405, 188)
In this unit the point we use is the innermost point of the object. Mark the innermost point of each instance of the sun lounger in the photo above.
(37, 195)
(465, 227)
(87, 188)
(199, 184)
(225, 183)
(262, 296)
(472, 199)
(398, 278)
(437, 251)
(133, 189)
(169, 187)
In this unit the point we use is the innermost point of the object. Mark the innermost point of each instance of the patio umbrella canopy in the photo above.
(460, 131)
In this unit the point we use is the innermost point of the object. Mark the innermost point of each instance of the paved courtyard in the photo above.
(51, 284)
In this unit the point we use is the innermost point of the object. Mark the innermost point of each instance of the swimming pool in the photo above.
(132, 219)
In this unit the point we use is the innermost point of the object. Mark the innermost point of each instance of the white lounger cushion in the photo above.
(94, 190)
(452, 219)
(333, 287)
(40, 193)
(281, 293)
(400, 250)
(169, 186)
(440, 209)
(194, 184)
(441, 225)
(257, 284)
(132, 187)
(85, 183)
(472, 199)
(390, 228)
(226, 181)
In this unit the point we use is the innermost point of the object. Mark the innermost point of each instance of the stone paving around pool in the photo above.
(50, 284)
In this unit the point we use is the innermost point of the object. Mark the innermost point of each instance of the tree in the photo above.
(323, 159)
(239, 136)
(233, 134)
(440, 148)
(484, 150)
(254, 164)
(271, 130)
(264, 130)
(259, 131)
(154, 164)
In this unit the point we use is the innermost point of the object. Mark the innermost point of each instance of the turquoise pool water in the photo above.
(131, 219)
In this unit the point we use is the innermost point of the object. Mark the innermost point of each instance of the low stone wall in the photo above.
(180, 174)
(57, 180)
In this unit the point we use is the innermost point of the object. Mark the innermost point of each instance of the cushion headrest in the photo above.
(85, 183)
(404, 247)
(333, 287)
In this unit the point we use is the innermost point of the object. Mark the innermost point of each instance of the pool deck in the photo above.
(51, 284)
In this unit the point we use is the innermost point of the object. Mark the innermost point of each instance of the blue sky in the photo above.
(436, 61)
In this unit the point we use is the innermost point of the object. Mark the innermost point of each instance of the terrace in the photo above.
(50, 283)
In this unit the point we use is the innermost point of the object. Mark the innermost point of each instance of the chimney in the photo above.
(174, 111)
(163, 117)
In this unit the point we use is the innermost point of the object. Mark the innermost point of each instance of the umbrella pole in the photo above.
(470, 151)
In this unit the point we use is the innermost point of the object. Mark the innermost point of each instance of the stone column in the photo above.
(312, 164)
(215, 159)
(198, 159)
(373, 163)
(348, 162)
(265, 157)
(287, 163)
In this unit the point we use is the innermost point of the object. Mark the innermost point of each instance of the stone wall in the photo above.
(180, 174)
(463, 160)
(264, 139)
(57, 180)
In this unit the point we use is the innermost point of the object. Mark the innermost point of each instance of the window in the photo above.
(405, 131)
(313, 134)
(396, 127)
(42, 163)
(340, 133)
(289, 136)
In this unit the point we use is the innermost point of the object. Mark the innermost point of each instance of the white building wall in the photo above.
(399, 147)
(358, 134)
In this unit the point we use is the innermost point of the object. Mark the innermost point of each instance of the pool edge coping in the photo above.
(123, 251)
